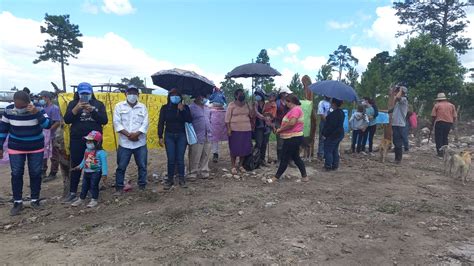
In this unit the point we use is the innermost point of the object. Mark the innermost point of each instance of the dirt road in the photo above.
(365, 213)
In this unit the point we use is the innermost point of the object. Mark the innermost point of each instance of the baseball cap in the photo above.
(132, 87)
(46, 94)
(94, 135)
(84, 87)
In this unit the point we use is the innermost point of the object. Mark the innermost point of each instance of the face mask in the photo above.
(132, 98)
(85, 97)
(258, 98)
(175, 99)
(35, 101)
(241, 98)
(42, 102)
(21, 111)
(90, 146)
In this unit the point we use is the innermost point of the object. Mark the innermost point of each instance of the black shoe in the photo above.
(70, 198)
(51, 177)
(141, 187)
(35, 205)
(16, 209)
(215, 158)
(183, 184)
(167, 186)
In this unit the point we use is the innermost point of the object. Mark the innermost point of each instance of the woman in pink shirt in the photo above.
(239, 129)
(291, 131)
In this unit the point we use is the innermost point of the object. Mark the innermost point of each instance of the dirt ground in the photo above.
(366, 213)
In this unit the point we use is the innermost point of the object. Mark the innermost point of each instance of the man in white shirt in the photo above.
(323, 111)
(131, 122)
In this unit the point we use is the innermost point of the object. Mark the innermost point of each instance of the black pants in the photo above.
(441, 134)
(398, 142)
(369, 134)
(291, 150)
(76, 148)
(261, 142)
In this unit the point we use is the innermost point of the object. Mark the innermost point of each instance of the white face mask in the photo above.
(90, 146)
(132, 98)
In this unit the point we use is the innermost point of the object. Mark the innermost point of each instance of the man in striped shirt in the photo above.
(23, 123)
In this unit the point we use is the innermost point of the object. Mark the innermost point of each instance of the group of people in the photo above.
(209, 117)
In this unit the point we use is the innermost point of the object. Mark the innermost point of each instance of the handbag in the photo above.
(190, 133)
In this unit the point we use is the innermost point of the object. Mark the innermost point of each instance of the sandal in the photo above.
(242, 169)
(233, 171)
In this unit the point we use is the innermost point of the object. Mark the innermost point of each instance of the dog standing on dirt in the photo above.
(447, 154)
(306, 148)
(64, 163)
(461, 165)
(384, 147)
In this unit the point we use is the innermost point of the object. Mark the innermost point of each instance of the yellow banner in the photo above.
(153, 104)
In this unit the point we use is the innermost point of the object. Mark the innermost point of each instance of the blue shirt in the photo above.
(94, 161)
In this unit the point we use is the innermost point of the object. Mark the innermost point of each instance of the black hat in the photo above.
(132, 87)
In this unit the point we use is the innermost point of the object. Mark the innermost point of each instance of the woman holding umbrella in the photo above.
(173, 116)
(239, 129)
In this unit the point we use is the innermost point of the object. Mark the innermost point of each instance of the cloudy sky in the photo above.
(126, 38)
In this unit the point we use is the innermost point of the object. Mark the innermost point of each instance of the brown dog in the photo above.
(461, 165)
(384, 147)
(306, 148)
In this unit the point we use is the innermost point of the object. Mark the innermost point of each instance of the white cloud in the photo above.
(339, 25)
(385, 27)
(364, 54)
(293, 59)
(90, 7)
(118, 7)
(284, 80)
(293, 48)
(313, 63)
(102, 59)
(275, 52)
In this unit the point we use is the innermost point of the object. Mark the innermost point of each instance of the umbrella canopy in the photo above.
(253, 70)
(334, 89)
(186, 82)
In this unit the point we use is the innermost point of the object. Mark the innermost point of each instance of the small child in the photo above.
(94, 165)
(359, 122)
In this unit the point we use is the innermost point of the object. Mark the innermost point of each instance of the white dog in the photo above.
(447, 154)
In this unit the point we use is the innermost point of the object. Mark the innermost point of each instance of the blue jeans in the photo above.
(175, 144)
(321, 139)
(123, 159)
(331, 153)
(357, 138)
(35, 166)
(90, 181)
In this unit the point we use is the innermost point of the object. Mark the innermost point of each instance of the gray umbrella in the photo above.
(253, 70)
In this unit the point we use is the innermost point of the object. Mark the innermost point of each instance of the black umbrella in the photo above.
(186, 82)
(334, 89)
(253, 70)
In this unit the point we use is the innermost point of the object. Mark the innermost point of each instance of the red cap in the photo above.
(94, 135)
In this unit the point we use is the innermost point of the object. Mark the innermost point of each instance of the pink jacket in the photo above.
(218, 128)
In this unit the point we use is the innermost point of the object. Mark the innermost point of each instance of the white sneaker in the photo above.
(77, 202)
(92, 204)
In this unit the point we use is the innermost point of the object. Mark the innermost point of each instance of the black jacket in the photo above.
(334, 126)
(172, 120)
(83, 123)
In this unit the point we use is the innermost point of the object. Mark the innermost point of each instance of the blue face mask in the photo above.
(205, 101)
(258, 98)
(85, 97)
(175, 99)
(90, 146)
(20, 111)
(42, 102)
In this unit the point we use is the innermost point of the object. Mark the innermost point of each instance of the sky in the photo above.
(127, 38)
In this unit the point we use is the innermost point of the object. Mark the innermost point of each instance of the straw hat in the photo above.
(441, 97)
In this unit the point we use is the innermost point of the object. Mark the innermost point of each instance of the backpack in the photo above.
(253, 160)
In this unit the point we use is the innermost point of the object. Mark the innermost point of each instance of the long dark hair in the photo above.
(98, 145)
